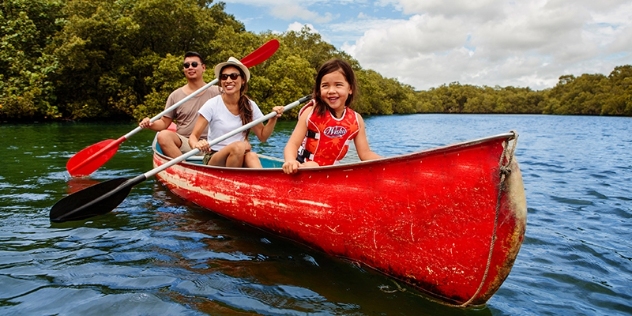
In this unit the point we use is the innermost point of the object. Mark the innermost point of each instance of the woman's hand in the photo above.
(279, 109)
(203, 146)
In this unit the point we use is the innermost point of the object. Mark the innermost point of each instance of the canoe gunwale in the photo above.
(446, 148)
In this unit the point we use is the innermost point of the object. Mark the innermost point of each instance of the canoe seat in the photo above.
(266, 161)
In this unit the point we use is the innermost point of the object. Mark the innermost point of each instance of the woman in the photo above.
(227, 112)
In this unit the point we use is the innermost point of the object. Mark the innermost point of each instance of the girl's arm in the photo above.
(362, 144)
(291, 148)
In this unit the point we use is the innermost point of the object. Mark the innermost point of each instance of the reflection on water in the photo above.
(157, 254)
(78, 184)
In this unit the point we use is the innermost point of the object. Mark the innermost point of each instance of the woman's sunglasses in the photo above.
(232, 76)
(193, 64)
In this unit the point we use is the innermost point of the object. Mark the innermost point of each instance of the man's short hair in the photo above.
(194, 54)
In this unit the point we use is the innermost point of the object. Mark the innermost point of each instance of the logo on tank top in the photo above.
(335, 131)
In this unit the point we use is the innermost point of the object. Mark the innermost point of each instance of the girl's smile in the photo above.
(334, 90)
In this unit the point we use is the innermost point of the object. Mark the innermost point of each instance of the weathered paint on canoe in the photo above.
(449, 221)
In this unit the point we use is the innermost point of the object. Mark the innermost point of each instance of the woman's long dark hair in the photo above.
(328, 67)
(243, 105)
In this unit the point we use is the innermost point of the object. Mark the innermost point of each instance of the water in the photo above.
(157, 254)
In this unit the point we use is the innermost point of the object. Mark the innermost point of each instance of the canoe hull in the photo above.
(448, 221)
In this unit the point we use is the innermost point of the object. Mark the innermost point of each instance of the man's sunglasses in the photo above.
(232, 76)
(193, 64)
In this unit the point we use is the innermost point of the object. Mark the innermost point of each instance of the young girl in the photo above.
(327, 124)
(228, 112)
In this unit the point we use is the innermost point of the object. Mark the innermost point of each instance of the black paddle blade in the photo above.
(95, 200)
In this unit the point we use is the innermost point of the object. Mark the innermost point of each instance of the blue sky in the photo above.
(427, 43)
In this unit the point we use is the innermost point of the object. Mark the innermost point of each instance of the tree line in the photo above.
(588, 94)
(120, 59)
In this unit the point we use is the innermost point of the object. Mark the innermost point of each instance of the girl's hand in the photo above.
(290, 167)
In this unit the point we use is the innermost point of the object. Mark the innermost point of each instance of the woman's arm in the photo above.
(198, 129)
(263, 132)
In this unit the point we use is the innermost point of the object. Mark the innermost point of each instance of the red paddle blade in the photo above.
(92, 157)
(261, 54)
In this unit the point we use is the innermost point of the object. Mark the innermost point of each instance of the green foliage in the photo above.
(588, 94)
(120, 59)
(284, 81)
(108, 50)
(309, 46)
(618, 100)
(26, 90)
(166, 77)
(593, 94)
(582, 95)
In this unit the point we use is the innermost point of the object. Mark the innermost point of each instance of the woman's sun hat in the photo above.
(232, 61)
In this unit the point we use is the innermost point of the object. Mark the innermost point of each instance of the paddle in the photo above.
(94, 156)
(103, 197)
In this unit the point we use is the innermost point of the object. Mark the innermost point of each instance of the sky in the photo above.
(429, 43)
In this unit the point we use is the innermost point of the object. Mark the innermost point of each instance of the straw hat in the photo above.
(232, 61)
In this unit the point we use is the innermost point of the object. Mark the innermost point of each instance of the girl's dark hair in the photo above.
(328, 67)
(245, 110)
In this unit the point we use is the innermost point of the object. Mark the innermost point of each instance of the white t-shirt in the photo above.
(221, 121)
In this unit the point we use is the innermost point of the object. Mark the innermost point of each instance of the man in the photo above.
(173, 144)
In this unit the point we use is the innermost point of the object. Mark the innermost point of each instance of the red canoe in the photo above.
(449, 220)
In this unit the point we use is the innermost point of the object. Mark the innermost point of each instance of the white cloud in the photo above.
(485, 42)
(297, 27)
(288, 11)
(479, 9)
(496, 42)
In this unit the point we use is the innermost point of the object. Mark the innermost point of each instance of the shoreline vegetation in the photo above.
(85, 60)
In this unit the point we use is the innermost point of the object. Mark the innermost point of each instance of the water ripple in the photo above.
(158, 255)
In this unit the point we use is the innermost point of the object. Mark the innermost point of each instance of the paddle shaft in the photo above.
(183, 157)
(109, 200)
(138, 128)
(175, 106)
(253, 59)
